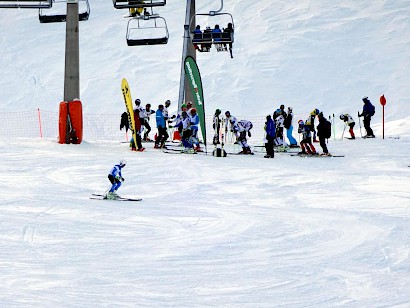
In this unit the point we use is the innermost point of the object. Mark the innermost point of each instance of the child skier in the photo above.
(186, 133)
(116, 179)
(349, 122)
(241, 129)
(306, 143)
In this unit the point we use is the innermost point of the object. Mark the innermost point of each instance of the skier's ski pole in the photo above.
(360, 125)
(334, 129)
(343, 132)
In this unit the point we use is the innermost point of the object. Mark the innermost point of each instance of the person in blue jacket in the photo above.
(116, 180)
(218, 31)
(289, 128)
(193, 125)
(367, 113)
(270, 129)
(162, 128)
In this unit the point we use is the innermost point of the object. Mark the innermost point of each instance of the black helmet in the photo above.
(137, 101)
(217, 111)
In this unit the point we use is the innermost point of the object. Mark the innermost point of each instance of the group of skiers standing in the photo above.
(187, 125)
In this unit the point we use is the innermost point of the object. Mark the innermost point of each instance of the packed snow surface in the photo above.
(240, 231)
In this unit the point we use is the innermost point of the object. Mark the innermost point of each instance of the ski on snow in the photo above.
(316, 155)
(101, 197)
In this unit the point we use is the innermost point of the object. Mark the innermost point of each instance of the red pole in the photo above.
(383, 121)
(39, 123)
(383, 102)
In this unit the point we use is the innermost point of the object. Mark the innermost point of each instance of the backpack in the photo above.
(372, 109)
(327, 129)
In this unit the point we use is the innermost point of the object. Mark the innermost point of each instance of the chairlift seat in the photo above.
(49, 17)
(26, 4)
(128, 4)
(147, 41)
(147, 28)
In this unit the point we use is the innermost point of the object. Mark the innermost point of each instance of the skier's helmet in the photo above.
(189, 105)
(183, 107)
(137, 102)
(167, 102)
(184, 114)
(365, 98)
(300, 122)
(342, 117)
(123, 162)
(290, 109)
(217, 111)
(193, 110)
(228, 114)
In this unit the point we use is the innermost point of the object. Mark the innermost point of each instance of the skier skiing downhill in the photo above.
(116, 180)
(349, 122)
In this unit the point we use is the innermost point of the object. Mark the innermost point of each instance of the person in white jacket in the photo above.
(349, 122)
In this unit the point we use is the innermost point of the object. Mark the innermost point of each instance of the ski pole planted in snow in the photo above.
(344, 132)
(360, 125)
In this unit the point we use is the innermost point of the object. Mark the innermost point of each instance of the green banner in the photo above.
(195, 82)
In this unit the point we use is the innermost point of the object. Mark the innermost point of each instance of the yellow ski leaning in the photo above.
(125, 88)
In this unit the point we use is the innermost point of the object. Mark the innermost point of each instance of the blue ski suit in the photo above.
(115, 178)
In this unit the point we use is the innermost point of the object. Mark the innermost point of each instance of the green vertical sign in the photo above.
(195, 82)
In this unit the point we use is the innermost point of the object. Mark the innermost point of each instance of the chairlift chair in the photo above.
(128, 4)
(59, 12)
(205, 38)
(26, 4)
(147, 30)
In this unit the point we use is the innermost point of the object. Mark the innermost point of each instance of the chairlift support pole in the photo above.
(72, 58)
(188, 50)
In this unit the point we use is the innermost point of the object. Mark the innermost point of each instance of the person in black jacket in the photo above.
(322, 133)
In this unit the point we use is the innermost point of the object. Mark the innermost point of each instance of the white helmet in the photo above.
(123, 162)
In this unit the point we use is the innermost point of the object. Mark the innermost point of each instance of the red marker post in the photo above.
(383, 102)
